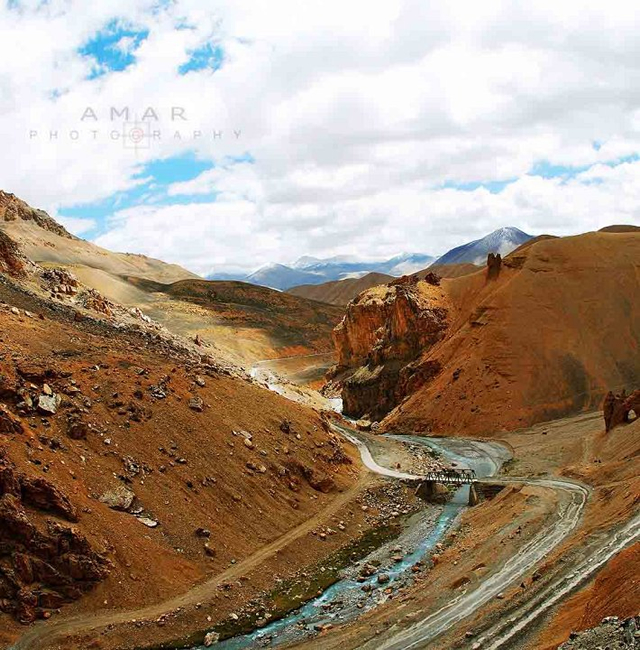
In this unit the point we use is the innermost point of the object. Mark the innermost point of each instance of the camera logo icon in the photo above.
(136, 135)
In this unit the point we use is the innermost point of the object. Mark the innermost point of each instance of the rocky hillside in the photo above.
(611, 633)
(44, 240)
(118, 445)
(544, 333)
(13, 209)
(340, 292)
(242, 323)
(294, 325)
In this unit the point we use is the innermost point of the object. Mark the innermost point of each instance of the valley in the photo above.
(194, 463)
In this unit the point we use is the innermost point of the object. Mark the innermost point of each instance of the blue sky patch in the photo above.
(495, 187)
(206, 57)
(545, 169)
(176, 169)
(154, 179)
(113, 48)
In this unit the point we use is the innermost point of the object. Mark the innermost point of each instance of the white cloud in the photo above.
(356, 114)
(75, 225)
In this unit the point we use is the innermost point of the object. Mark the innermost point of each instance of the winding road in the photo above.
(567, 519)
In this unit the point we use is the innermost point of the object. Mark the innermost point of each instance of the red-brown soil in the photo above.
(244, 323)
(550, 336)
(495, 530)
(614, 592)
(186, 467)
(340, 292)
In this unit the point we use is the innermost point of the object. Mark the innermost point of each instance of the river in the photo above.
(426, 529)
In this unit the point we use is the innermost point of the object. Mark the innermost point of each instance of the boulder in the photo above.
(119, 498)
(149, 523)
(620, 409)
(77, 429)
(45, 563)
(196, 404)
(48, 404)
(41, 494)
(494, 265)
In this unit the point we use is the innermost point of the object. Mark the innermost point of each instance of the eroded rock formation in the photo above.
(494, 264)
(619, 409)
(14, 209)
(12, 261)
(380, 341)
(43, 563)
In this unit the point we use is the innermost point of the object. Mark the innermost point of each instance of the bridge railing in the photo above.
(452, 476)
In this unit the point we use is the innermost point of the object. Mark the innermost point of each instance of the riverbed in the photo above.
(353, 595)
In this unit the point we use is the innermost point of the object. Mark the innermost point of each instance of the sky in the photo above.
(227, 135)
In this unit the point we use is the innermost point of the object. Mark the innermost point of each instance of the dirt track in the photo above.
(44, 634)
(573, 501)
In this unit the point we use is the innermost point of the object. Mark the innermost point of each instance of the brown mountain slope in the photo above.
(558, 328)
(340, 292)
(449, 270)
(293, 325)
(45, 241)
(134, 415)
(620, 228)
(244, 323)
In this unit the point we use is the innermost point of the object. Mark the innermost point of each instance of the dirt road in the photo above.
(507, 629)
(573, 499)
(44, 634)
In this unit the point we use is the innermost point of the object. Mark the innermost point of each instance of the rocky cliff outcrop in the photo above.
(494, 264)
(380, 341)
(12, 261)
(14, 209)
(619, 409)
(43, 563)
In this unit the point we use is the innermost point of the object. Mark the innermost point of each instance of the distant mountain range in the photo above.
(313, 270)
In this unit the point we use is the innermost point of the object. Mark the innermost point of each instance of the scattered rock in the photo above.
(9, 423)
(612, 633)
(119, 498)
(197, 404)
(48, 404)
(41, 569)
(211, 638)
(209, 550)
(149, 523)
(77, 429)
